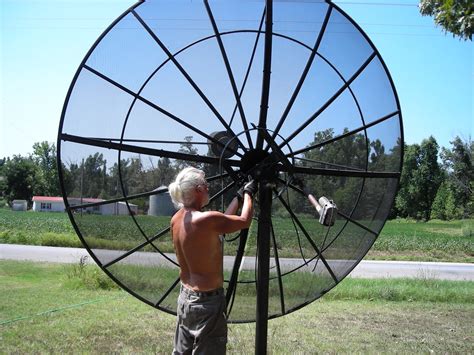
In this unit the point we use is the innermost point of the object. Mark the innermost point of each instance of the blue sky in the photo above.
(43, 43)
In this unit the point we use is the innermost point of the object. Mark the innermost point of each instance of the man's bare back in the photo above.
(198, 249)
(197, 243)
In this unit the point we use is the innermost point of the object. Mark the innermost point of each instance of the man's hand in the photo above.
(251, 188)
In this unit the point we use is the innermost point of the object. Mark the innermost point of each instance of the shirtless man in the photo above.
(202, 324)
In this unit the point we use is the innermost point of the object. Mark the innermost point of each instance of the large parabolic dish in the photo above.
(176, 83)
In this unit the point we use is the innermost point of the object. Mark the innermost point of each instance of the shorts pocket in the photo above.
(203, 308)
(203, 314)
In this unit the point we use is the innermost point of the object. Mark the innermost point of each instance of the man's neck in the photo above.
(193, 207)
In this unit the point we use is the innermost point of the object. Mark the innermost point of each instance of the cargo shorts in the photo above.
(201, 323)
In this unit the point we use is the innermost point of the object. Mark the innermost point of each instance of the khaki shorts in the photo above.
(202, 324)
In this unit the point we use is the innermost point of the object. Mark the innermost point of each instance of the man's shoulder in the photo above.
(176, 216)
(206, 216)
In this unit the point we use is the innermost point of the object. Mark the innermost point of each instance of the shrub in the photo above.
(60, 240)
(82, 275)
(8, 236)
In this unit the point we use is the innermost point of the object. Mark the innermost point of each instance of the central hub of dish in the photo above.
(260, 164)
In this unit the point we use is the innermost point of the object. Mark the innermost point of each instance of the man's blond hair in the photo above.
(182, 189)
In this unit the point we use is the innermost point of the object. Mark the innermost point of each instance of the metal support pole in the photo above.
(267, 67)
(263, 258)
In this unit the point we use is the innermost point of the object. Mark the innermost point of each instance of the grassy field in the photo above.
(429, 241)
(53, 308)
(399, 240)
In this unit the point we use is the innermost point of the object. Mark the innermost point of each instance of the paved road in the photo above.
(365, 269)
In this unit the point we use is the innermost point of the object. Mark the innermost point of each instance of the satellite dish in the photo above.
(292, 93)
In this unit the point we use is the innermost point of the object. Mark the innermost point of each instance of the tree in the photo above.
(91, 177)
(444, 206)
(21, 182)
(70, 177)
(459, 166)
(470, 205)
(420, 180)
(3, 183)
(188, 148)
(438, 209)
(165, 172)
(455, 16)
(393, 163)
(133, 176)
(44, 156)
(428, 176)
(156, 174)
(405, 201)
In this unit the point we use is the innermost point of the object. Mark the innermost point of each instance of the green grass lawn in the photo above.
(399, 240)
(429, 241)
(51, 308)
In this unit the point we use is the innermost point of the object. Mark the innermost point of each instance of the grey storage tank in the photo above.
(161, 204)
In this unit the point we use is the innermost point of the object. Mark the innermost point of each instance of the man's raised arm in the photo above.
(229, 222)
